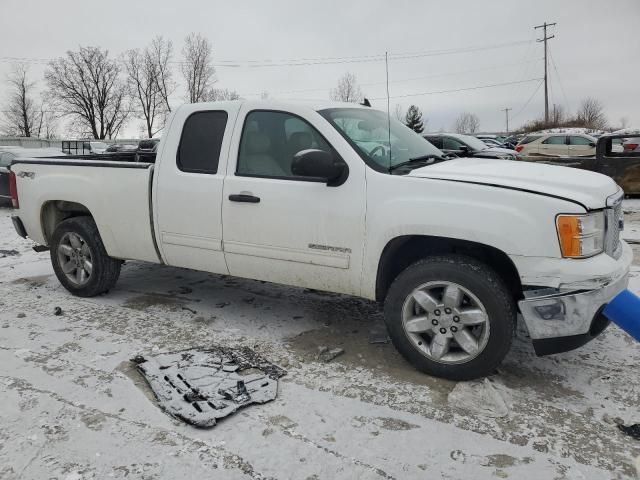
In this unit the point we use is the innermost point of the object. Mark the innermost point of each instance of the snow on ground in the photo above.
(74, 408)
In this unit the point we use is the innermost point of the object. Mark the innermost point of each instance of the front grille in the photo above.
(614, 221)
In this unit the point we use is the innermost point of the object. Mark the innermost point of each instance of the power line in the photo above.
(553, 63)
(424, 77)
(458, 89)
(262, 63)
(529, 100)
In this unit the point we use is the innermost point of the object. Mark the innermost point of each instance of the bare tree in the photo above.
(399, 113)
(143, 86)
(221, 94)
(197, 67)
(21, 112)
(591, 114)
(160, 52)
(624, 122)
(557, 115)
(47, 121)
(87, 86)
(347, 90)
(467, 123)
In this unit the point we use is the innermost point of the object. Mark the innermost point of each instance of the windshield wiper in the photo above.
(418, 160)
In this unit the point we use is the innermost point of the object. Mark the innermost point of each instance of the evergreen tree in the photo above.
(413, 119)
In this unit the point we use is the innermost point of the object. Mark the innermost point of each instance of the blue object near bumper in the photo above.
(624, 311)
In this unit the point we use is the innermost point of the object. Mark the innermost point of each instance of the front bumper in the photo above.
(559, 320)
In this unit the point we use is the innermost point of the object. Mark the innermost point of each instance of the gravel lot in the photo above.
(74, 408)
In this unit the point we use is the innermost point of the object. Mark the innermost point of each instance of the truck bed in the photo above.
(116, 193)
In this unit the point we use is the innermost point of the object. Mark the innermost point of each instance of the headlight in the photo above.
(581, 235)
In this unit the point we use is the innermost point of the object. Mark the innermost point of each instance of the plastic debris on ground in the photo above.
(632, 430)
(326, 355)
(201, 386)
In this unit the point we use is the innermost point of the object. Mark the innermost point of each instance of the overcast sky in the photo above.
(595, 51)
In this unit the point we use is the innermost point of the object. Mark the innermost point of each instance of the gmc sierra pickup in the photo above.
(339, 197)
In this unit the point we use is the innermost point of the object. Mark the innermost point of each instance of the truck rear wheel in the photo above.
(451, 317)
(80, 260)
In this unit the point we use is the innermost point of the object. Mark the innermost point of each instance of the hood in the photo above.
(588, 188)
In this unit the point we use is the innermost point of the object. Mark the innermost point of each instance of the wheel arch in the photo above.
(53, 212)
(402, 251)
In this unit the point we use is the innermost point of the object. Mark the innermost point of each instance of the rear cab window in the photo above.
(201, 142)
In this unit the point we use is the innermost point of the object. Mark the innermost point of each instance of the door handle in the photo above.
(242, 197)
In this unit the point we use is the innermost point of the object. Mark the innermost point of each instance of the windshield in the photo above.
(98, 145)
(473, 142)
(368, 132)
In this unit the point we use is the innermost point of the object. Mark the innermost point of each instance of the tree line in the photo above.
(99, 93)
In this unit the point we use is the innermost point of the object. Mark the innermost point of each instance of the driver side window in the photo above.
(270, 140)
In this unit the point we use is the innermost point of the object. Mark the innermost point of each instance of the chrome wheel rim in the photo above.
(74, 257)
(445, 322)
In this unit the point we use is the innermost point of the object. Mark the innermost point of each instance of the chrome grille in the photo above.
(614, 222)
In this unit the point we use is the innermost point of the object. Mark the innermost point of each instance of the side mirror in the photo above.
(319, 165)
(464, 149)
(591, 144)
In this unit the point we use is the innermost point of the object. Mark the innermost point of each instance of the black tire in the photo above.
(105, 271)
(479, 279)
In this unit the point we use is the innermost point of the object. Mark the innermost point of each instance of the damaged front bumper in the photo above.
(559, 320)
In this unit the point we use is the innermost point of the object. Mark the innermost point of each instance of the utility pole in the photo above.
(546, 89)
(506, 113)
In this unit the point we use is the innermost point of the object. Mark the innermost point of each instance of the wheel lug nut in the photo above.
(454, 329)
(447, 311)
(443, 331)
(456, 319)
(436, 312)
(434, 321)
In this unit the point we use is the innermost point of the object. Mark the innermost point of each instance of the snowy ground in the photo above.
(73, 408)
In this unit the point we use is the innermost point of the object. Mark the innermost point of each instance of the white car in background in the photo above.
(557, 145)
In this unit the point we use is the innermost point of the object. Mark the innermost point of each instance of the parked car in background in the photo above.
(631, 145)
(121, 148)
(94, 148)
(8, 154)
(557, 145)
(623, 166)
(491, 142)
(468, 146)
(148, 144)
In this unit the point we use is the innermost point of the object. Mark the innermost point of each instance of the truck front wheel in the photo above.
(451, 317)
(80, 260)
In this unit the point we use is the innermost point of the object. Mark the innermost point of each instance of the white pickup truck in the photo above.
(339, 197)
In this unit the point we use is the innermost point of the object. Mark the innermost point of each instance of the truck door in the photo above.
(188, 186)
(287, 229)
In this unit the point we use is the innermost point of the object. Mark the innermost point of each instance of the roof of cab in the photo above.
(274, 104)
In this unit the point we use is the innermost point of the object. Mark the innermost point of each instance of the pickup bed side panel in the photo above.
(116, 196)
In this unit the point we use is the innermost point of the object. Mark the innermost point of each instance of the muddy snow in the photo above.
(74, 407)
